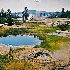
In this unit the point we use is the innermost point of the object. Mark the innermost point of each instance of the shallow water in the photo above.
(60, 34)
(20, 40)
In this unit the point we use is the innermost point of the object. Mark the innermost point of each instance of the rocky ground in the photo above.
(58, 60)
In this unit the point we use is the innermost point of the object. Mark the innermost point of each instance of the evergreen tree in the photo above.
(25, 14)
(67, 14)
(63, 10)
(63, 13)
(9, 17)
(2, 16)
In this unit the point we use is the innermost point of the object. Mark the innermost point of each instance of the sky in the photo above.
(42, 5)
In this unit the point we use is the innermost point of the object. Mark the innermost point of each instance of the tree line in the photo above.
(6, 17)
(65, 14)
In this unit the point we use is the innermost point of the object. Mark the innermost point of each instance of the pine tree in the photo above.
(9, 17)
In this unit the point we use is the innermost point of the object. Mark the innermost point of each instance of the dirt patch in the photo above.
(63, 53)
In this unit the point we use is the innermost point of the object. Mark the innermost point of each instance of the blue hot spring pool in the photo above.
(20, 40)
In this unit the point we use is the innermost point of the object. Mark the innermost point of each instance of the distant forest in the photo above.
(6, 17)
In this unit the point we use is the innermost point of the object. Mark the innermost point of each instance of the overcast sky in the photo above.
(43, 5)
